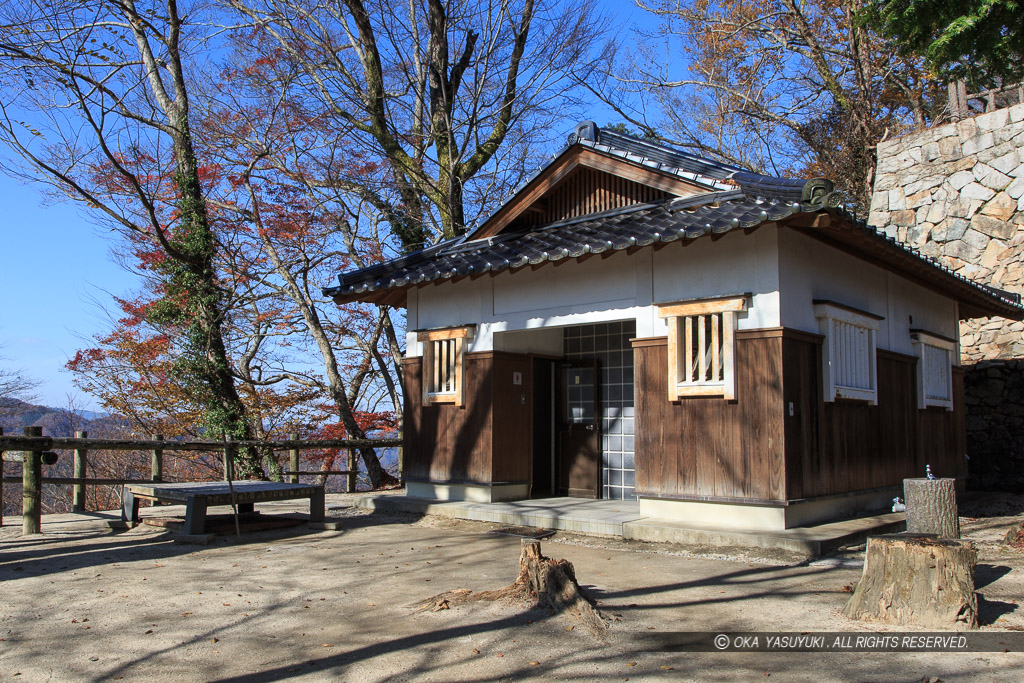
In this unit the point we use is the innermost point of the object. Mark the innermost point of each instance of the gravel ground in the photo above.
(84, 603)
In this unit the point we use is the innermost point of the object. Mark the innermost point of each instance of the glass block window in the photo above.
(444, 364)
(610, 345)
(848, 351)
(934, 369)
(701, 346)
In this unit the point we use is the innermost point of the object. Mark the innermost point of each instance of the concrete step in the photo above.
(608, 518)
(811, 541)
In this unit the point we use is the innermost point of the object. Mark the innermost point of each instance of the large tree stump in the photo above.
(915, 579)
(546, 583)
(931, 507)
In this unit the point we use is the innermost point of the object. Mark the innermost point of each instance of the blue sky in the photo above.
(57, 274)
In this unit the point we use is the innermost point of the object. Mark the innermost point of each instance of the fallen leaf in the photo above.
(534, 663)
(148, 632)
(214, 640)
(631, 664)
(476, 651)
(666, 668)
(326, 645)
(571, 627)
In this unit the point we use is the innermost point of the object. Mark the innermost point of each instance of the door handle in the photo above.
(590, 428)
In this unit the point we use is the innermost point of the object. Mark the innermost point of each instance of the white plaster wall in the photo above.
(810, 270)
(735, 264)
(783, 270)
(515, 311)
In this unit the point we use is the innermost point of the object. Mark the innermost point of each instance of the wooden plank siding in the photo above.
(512, 459)
(846, 446)
(707, 447)
(754, 450)
(483, 441)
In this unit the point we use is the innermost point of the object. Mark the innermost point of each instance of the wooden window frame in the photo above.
(829, 314)
(437, 346)
(718, 374)
(921, 341)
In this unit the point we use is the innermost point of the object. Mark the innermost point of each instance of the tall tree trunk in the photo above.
(193, 283)
(336, 384)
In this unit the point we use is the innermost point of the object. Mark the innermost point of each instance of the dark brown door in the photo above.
(579, 429)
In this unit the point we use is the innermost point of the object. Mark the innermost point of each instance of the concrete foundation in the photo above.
(750, 517)
(474, 493)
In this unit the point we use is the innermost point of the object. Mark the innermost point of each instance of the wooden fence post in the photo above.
(156, 465)
(350, 485)
(81, 462)
(293, 460)
(401, 465)
(31, 487)
(156, 470)
(229, 459)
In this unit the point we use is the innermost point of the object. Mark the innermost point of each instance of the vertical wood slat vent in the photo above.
(701, 343)
(444, 364)
(702, 362)
(589, 191)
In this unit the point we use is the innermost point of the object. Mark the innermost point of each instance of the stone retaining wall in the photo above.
(956, 193)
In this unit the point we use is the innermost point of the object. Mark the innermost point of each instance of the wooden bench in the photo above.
(198, 496)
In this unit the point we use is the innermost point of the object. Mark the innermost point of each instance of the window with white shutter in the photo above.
(848, 352)
(934, 369)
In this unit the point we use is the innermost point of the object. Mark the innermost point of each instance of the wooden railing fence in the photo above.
(960, 99)
(33, 450)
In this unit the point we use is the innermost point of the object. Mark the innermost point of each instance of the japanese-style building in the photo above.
(638, 322)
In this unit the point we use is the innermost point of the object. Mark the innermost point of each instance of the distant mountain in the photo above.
(16, 415)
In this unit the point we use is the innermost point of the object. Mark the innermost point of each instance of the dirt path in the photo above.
(82, 603)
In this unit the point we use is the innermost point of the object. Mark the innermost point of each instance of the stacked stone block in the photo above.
(956, 193)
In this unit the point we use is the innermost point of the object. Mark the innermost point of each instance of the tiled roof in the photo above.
(635, 226)
(736, 199)
(665, 221)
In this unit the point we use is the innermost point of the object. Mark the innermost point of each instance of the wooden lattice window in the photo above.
(848, 352)
(701, 346)
(444, 364)
(934, 369)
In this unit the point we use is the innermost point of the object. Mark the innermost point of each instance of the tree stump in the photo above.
(931, 507)
(1014, 537)
(546, 583)
(915, 579)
